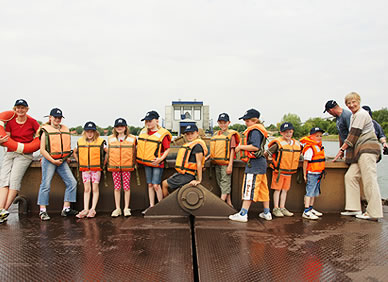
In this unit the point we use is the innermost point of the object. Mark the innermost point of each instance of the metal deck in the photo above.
(138, 249)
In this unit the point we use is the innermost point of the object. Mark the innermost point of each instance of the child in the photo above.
(121, 161)
(313, 169)
(284, 153)
(255, 186)
(152, 149)
(55, 146)
(189, 162)
(222, 147)
(89, 154)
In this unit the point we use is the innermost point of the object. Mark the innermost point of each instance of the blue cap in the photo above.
(151, 115)
(368, 109)
(223, 116)
(191, 128)
(21, 102)
(56, 113)
(315, 130)
(120, 122)
(329, 105)
(252, 113)
(286, 126)
(90, 126)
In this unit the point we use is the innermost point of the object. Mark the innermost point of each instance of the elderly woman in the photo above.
(21, 129)
(362, 152)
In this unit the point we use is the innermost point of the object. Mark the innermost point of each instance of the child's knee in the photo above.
(156, 187)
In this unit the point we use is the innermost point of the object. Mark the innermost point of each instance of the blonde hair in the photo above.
(126, 132)
(157, 123)
(255, 120)
(14, 108)
(95, 136)
(351, 96)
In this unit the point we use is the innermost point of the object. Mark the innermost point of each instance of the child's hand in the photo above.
(156, 161)
(194, 182)
(237, 149)
(305, 178)
(57, 162)
(229, 169)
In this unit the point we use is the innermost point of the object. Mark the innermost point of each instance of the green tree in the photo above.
(380, 116)
(238, 127)
(272, 127)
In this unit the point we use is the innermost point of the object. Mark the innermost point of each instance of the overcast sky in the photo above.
(100, 60)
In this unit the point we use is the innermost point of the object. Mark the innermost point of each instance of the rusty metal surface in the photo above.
(99, 249)
(333, 248)
(191, 200)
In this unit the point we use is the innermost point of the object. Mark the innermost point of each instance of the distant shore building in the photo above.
(183, 113)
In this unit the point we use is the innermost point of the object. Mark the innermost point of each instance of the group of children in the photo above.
(123, 151)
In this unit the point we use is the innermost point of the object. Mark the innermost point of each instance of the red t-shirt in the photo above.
(23, 133)
(165, 144)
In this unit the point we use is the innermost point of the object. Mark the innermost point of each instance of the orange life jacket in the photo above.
(91, 154)
(245, 156)
(317, 163)
(182, 164)
(220, 146)
(286, 159)
(121, 155)
(58, 141)
(149, 146)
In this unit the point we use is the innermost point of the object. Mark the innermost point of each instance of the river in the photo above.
(331, 149)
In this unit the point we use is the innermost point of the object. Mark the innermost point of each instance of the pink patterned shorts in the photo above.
(91, 176)
(126, 176)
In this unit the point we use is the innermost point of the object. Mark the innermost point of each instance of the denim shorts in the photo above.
(153, 174)
(313, 186)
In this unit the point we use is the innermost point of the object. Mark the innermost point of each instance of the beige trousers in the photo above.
(364, 170)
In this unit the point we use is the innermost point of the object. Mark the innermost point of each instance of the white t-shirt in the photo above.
(307, 156)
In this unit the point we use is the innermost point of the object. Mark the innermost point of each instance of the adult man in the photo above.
(342, 119)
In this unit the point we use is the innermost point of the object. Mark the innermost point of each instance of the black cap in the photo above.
(120, 122)
(56, 113)
(315, 130)
(329, 105)
(151, 115)
(286, 126)
(191, 128)
(252, 113)
(90, 126)
(223, 116)
(368, 109)
(21, 102)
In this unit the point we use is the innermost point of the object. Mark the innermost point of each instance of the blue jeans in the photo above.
(153, 174)
(48, 170)
(313, 185)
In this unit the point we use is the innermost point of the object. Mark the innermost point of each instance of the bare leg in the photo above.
(117, 195)
(10, 198)
(165, 188)
(96, 195)
(87, 187)
(159, 193)
(3, 197)
(127, 197)
(283, 197)
(151, 194)
(224, 196)
(229, 200)
(276, 198)
(266, 204)
(246, 204)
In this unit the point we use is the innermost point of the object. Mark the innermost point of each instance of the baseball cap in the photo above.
(90, 126)
(56, 113)
(315, 130)
(223, 116)
(368, 109)
(329, 105)
(120, 122)
(21, 102)
(151, 115)
(252, 113)
(191, 128)
(286, 126)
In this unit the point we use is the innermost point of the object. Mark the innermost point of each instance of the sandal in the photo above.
(82, 214)
(92, 213)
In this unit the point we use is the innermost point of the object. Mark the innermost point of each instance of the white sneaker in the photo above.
(238, 217)
(116, 213)
(4, 214)
(317, 213)
(309, 215)
(351, 213)
(266, 216)
(127, 212)
(365, 215)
